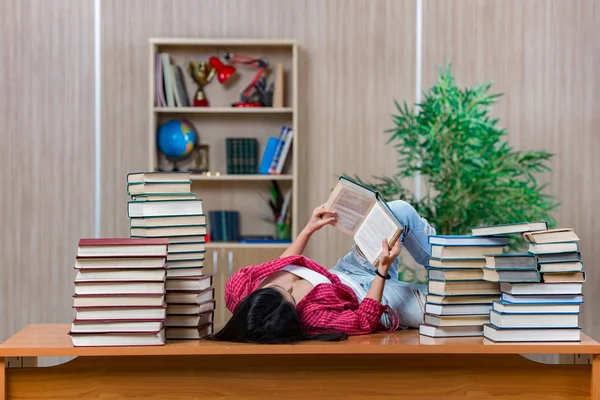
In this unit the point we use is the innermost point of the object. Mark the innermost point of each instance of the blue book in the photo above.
(465, 240)
(268, 156)
(529, 308)
(508, 298)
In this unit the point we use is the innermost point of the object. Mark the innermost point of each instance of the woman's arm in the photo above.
(319, 218)
(385, 262)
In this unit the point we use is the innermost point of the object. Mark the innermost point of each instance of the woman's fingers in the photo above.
(386, 252)
(396, 249)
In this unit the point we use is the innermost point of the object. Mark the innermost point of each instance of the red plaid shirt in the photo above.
(326, 308)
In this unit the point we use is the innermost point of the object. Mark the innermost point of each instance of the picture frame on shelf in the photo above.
(201, 159)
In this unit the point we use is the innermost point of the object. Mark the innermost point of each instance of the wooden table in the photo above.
(399, 365)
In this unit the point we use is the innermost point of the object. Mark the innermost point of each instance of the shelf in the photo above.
(236, 245)
(223, 110)
(194, 177)
(222, 42)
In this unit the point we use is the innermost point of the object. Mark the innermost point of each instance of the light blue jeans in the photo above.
(407, 299)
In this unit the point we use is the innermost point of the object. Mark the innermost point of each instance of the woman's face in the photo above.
(287, 292)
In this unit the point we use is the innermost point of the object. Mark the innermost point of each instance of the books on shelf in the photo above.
(224, 225)
(276, 152)
(169, 85)
(182, 223)
(459, 299)
(242, 155)
(119, 297)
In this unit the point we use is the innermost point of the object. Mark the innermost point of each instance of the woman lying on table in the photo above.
(292, 298)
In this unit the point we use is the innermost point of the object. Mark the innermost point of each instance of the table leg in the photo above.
(2, 379)
(596, 377)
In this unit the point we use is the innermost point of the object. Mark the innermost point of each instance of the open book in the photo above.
(363, 214)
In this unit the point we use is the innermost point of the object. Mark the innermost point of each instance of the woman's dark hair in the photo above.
(266, 317)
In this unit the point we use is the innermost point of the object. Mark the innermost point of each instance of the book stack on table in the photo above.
(163, 206)
(119, 295)
(458, 299)
(541, 291)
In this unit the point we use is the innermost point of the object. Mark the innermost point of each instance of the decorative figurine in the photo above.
(202, 73)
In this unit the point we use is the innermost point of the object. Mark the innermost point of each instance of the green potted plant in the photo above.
(472, 176)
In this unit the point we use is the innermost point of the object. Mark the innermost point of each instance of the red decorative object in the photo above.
(224, 72)
(256, 93)
(201, 102)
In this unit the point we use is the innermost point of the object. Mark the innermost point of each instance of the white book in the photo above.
(155, 300)
(108, 275)
(541, 288)
(116, 327)
(549, 248)
(464, 240)
(140, 209)
(190, 333)
(450, 331)
(458, 309)
(284, 152)
(119, 288)
(120, 313)
(532, 335)
(118, 339)
(189, 320)
(534, 320)
(507, 229)
(525, 308)
(363, 214)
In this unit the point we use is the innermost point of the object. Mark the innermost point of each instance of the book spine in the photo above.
(229, 155)
(223, 224)
(268, 156)
(246, 155)
(286, 148)
(278, 150)
(253, 156)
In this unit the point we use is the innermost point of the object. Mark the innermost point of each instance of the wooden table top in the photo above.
(53, 340)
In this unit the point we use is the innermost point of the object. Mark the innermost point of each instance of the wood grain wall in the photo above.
(46, 155)
(355, 57)
(544, 55)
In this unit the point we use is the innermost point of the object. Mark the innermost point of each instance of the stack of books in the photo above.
(459, 299)
(119, 295)
(224, 226)
(242, 155)
(157, 210)
(542, 291)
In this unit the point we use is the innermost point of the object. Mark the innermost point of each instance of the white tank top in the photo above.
(305, 273)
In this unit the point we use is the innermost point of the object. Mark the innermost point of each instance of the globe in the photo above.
(176, 139)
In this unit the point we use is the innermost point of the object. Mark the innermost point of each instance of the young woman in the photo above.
(292, 298)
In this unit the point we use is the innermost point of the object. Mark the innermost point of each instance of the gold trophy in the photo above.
(202, 73)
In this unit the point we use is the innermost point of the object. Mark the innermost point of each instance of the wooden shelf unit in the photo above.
(247, 194)
(216, 122)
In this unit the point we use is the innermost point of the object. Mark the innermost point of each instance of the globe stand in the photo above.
(173, 162)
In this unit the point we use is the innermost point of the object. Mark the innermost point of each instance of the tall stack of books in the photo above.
(458, 299)
(542, 291)
(163, 206)
(119, 295)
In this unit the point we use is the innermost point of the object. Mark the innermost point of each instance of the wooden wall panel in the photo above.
(544, 56)
(46, 155)
(355, 58)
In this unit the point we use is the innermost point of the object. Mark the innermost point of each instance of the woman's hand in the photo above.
(387, 256)
(319, 218)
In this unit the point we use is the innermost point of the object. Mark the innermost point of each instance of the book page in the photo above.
(351, 209)
(377, 225)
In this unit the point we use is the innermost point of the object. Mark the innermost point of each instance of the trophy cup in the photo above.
(202, 73)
